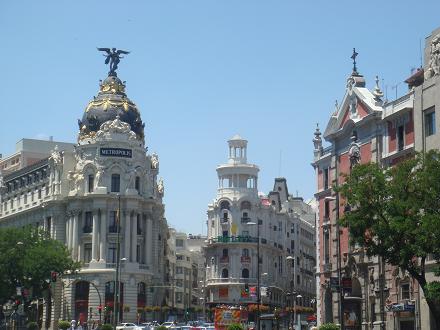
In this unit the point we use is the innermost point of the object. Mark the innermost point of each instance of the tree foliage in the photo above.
(395, 214)
(27, 258)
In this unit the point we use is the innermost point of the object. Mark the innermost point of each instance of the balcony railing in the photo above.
(235, 239)
(224, 220)
(224, 260)
(245, 220)
(250, 281)
(245, 259)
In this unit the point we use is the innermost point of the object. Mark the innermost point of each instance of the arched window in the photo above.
(224, 205)
(225, 273)
(245, 252)
(245, 205)
(116, 183)
(245, 273)
(225, 252)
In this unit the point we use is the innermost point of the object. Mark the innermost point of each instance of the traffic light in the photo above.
(53, 276)
(246, 288)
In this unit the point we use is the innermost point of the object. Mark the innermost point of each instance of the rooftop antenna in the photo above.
(420, 52)
(395, 87)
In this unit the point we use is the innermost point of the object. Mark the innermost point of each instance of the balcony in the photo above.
(224, 260)
(245, 220)
(245, 259)
(224, 220)
(235, 239)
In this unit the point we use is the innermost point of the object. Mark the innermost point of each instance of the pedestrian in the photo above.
(75, 326)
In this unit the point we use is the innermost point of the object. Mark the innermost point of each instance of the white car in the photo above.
(166, 325)
(126, 326)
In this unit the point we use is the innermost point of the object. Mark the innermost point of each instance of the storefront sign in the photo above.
(115, 152)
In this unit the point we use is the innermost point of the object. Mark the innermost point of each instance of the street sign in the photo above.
(263, 291)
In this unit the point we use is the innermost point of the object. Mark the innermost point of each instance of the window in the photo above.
(225, 252)
(429, 122)
(88, 222)
(325, 178)
(400, 137)
(137, 184)
(225, 233)
(327, 209)
(138, 253)
(39, 193)
(224, 205)
(179, 242)
(245, 253)
(25, 197)
(91, 182)
(179, 296)
(179, 270)
(112, 224)
(87, 252)
(179, 257)
(116, 183)
(245, 273)
(112, 253)
(225, 273)
(179, 283)
(326, 246)
(405, 291)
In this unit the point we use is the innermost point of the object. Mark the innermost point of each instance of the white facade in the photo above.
(286, 229)
(79, 195)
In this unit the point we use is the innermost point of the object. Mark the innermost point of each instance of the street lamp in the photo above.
(117, 299)
(250, 223)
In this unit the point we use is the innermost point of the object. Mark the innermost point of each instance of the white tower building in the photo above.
(242, 224)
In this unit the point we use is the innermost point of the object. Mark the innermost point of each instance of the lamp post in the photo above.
(117, 299)
(250, 223)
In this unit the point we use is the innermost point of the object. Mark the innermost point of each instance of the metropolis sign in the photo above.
(115, 152)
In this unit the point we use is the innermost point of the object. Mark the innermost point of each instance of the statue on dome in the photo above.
(113, 57)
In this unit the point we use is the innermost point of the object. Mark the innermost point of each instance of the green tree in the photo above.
(395, 214)
(27, 258)
(329, 326)
(235, 326)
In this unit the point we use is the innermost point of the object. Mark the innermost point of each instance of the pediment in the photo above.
(357, 104)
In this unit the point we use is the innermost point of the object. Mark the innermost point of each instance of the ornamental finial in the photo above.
(353, 56)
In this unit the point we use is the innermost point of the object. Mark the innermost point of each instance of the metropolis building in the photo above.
(77, 196)
(244, 226)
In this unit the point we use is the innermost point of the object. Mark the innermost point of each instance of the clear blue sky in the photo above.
(202, 71)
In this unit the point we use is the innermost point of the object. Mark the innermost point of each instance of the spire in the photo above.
(377, 91)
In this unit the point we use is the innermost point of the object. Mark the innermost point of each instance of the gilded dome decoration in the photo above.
(110, 102)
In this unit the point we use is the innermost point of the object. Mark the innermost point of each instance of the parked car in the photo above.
(126, 326)
(166, 325)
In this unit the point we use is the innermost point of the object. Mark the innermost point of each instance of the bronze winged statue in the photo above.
(113, 57)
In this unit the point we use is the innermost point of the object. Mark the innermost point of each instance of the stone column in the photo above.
(75, 236)
(95, 241)
(68, 222)
(103, 237)
(134, 237)
(148, 242)
(127, 236)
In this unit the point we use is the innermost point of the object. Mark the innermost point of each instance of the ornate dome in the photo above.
(110, 103)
